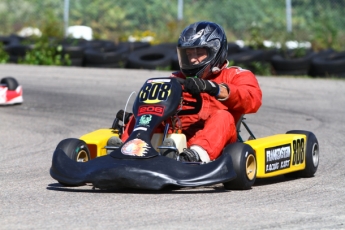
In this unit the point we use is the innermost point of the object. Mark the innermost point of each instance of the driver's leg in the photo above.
(219, 130)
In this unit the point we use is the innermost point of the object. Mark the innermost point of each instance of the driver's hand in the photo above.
(196, 86)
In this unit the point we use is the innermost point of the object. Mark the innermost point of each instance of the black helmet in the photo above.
(207, 35)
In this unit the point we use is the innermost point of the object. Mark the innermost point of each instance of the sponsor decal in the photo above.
(3, 93)
(135, 147)
(151, 109)
(145, 120)
(277, 158)
(155, 92)
(140, 128)
(298, 151)
(158, 80)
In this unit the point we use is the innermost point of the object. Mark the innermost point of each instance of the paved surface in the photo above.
(68, 102)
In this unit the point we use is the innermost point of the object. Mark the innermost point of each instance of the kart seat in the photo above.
(179, 139)
(239, 122)
(238, 129)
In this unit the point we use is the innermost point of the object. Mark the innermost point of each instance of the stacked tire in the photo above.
(328, 63)
(14, 47)
(246, 57)
(104, 54)
(74, 48)
(5, 40)
(142, 55)
(74, 53)
(154, 57)
(287, 65)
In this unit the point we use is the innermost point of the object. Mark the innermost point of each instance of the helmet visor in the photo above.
(195, 57)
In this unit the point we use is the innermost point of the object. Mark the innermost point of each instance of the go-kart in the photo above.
(139, 163)
(10, 91)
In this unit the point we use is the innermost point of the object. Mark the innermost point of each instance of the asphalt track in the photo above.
(68, 102)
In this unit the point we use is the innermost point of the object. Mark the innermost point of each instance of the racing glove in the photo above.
(125, 119)
(196, 86)
(189, 155)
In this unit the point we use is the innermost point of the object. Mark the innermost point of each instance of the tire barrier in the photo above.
(329, 63)
(268, 54)
(174, 58)
(16, 51)
(246, 58)
(5, 40)
(14, 39)
(75, 54)
(132, 46)
(174, 62)
(108, 57)
(233, 48)
(291, 66)
(151, 58)
(143, 55)
(12, 45)
(105, 45)
(74, 42)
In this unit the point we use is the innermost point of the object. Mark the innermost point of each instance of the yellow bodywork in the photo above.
(279, 154)
(97, 140)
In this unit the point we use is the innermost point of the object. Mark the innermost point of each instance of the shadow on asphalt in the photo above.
(168, 190)
(272, 180)
(88, 188)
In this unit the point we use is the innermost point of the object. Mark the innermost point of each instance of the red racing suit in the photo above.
(214, 124)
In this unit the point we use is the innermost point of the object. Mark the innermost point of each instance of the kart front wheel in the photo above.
(75, 149)
(311, 155)
(244, 163)
(10, 82)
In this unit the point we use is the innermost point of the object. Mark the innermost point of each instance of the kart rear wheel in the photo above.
(244, 163)
(311, 155)
(75, 149)
(10, 82)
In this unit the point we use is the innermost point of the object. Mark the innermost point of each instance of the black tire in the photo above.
(75, 54)
(292, 66)
(76, 62)
(171, 46)
(73, 51)
(135, 45)
(5, 40)
(246, 57)
(105, 45)
(174, 62)
(313, 70)
(11, 83)
(233, 48)
(75, 149)
(268, 54)
(332, 64)
(244, 163)
(150, 58)
(16, 51)
(311, 156)
(106, 57)
(12, 39)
